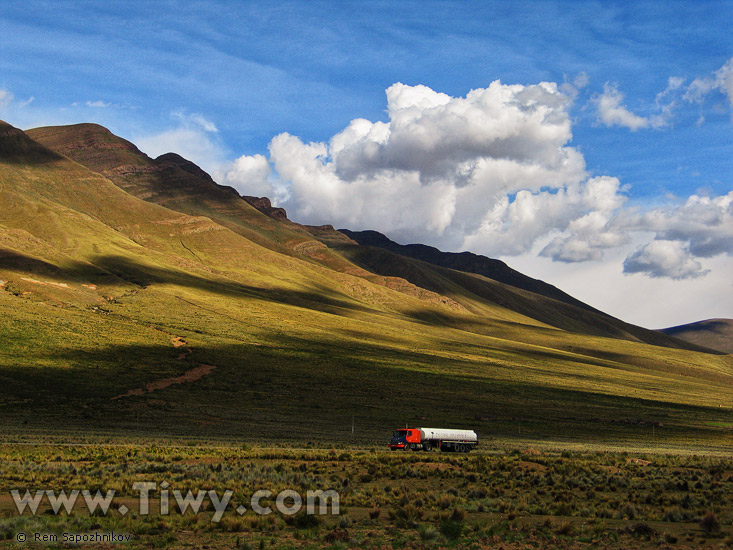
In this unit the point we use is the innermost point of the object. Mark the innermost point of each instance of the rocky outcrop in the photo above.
(264, 205)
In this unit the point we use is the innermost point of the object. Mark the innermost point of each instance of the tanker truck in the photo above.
(427, 439)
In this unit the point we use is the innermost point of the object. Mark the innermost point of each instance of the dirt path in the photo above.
(191, 375)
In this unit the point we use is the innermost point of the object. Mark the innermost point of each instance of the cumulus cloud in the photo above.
(704, 223)
(512, 227)
(701, 227)
(492, 172)
(589, 237)
(439, 164)
(662, 258)
(612, 113)
(250, 175)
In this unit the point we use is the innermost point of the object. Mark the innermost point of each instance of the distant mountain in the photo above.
(518, 292)
(715, 334)
(466, 261)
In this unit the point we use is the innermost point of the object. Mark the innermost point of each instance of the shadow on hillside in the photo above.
(566, 314)
(14, 261)
(319, 297)
(287, 387)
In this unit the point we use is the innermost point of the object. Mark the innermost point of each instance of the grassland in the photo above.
(493, 498)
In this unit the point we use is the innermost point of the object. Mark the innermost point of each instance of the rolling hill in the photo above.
(138, 295)
(714, 334)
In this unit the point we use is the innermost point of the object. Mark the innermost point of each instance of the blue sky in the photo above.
(218, 81)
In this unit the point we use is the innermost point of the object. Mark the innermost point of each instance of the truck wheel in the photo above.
(427, 447)
(406, 448)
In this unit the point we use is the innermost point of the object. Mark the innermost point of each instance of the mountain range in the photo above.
(137, 293)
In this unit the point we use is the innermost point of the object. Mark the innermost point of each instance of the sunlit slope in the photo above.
(105, 297)
(180, 185)
(87, 217)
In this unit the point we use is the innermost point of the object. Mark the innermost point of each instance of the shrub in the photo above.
(306, 521)
(710, 523)
(451, 529)
(427, 532)
(566, 528)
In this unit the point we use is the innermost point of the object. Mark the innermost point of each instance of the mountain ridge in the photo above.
(502, 273)
(175, 182)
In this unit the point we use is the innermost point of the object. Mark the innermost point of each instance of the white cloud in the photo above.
(589, 237)
(702, 226)
(581, 80)
(6, 98)
(490, 172)
(721, 80)
(652, 302)
(439, 165)
(513, 227)
(704, 223)
(196, 120)
(724, 80)
(194, 139)
(572, 89)
(98, 103)
(249, 175)
(662, 258)
(612, 113)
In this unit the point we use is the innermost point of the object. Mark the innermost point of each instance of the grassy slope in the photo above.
(298, 348)
(180, 185)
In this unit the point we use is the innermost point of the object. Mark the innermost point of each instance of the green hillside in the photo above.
(167, 313)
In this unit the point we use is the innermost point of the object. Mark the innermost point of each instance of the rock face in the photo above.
(264, 205)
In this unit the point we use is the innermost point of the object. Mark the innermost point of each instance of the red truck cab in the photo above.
(405, 438)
